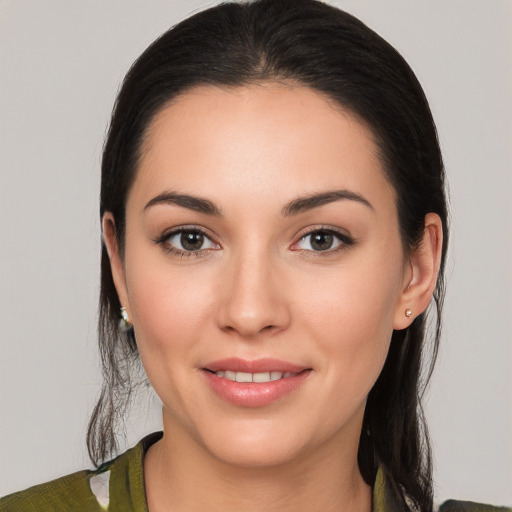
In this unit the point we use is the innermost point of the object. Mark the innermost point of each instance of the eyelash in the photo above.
(163, 240)
(345, 241)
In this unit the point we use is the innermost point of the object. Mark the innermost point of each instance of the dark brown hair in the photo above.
(330, 51)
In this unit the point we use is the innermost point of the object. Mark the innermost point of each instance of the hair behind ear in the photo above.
(120, 367)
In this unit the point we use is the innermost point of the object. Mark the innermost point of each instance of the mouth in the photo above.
(259, 377)
(254, 383)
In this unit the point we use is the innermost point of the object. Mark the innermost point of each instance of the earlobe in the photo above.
(116, 262)
(424, 261)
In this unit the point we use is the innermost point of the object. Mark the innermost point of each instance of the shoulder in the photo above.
(115, 485)
(71, 492)
(385, 499)
(470, 506)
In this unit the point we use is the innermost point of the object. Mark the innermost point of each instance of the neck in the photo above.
(181, 475)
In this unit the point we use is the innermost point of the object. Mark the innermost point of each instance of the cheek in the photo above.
(344, 301)
(169, 307)
(351, 317)
(171, 311)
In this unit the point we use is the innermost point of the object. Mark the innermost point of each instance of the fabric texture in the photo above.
(118, 486)
(470, 506)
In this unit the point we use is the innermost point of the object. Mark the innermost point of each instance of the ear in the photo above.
(421, 276)
(116, 263)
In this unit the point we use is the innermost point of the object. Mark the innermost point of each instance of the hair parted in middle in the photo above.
(312, 44)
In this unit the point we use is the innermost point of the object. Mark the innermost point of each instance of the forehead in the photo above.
(261, 139)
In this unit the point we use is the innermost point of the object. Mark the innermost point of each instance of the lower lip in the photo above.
(254, 394)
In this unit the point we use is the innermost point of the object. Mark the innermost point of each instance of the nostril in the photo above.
(230, 328)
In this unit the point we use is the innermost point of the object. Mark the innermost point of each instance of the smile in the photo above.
(260, 377)
(256, 383)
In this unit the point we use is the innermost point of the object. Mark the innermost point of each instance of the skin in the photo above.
(259, 289)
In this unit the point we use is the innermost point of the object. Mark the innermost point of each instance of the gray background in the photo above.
(61, 63)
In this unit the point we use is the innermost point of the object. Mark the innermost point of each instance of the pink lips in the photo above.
(254, 394)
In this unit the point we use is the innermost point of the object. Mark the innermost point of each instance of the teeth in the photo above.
(253, 377)
(261, 377)
(230, 375)
(243, 377)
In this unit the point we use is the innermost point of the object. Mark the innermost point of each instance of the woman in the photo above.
(274, 227)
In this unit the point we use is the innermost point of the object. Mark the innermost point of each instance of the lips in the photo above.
(258, 377)
(254, 383)
(256, 366)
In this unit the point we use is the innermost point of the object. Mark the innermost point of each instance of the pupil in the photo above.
(321, 241)
(192, 240)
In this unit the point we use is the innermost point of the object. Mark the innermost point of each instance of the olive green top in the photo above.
(118, 486)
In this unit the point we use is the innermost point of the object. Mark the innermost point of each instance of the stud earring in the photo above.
(408, 313)
(124, 323)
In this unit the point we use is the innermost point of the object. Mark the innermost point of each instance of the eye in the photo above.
(188, 241)
(323, 240)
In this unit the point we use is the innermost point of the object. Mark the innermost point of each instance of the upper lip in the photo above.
(262, 365)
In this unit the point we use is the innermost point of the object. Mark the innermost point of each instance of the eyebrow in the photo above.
(303, 204)
(191, 202)
(295, 207)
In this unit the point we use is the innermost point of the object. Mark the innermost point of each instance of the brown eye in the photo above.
(323, 240)
(190, 240)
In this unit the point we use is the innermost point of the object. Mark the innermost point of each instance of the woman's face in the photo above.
(262, 243)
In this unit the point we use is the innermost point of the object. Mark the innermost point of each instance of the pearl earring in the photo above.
(124, 323)
(408, 313)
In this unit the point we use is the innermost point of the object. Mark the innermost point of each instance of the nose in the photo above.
(254, 299)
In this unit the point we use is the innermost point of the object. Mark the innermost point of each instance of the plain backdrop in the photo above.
(61, 63)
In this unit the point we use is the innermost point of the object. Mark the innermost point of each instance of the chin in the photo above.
(252, 455)
(255, 447)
